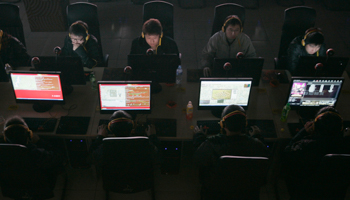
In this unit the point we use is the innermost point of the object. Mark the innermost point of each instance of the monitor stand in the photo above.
(216, 112)
(41, 107)
(155, 88)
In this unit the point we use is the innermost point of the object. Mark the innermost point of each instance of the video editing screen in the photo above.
(314, 92)
(117, 96)
(36, 86)
(224, 93)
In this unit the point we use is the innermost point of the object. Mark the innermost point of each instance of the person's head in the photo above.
(233, 118)
(121, 123)
(313, 39)
(152, 31)
(16, 131)
(328, 122)
(79, 32)
(232, 26)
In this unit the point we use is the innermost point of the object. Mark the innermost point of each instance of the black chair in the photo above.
(20, 178)
(127, 165)
(10, 21)
(237, 177)
(296, 21)
(222, 11)
(164, 12)
(330, 180)
(87, 12)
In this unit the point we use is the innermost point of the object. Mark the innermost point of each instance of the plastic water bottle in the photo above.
(178, 75)
(93, 81)
(8, 68)
(189, 110)
(285, 112)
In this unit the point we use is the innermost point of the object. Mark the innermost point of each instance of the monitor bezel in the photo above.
(51, 101)
(223, 79)
(294, 107)
(130, 111)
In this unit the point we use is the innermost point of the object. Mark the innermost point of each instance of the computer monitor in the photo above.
(245, 67)
(331, 66)
(3, 74)
(309, 94)
(217, 93)
(131, 96)
(43, 89)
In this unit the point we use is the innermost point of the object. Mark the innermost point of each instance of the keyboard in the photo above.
(41, 124)
(267, 127)
(73, 125)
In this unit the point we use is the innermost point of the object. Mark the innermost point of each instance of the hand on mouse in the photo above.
(254, 130)
(206, 72)
(102, 130)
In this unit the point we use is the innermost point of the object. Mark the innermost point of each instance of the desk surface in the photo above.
(266, 103)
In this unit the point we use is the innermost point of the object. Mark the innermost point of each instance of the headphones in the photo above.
(236, 112)
(1, 34)
(312, 30)
(232, 17)
(320, 115)
(86, 30)
(122, 119)
(29, 132)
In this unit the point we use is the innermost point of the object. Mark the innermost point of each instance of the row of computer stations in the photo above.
(312, 91)
(121, 95)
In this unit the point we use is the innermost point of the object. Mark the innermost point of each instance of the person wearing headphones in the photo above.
(152, 38)
(12, 51)
(121, 124)
(44, 156)
(80, 43)
(226, 43)
(234, 142)
(310, 44)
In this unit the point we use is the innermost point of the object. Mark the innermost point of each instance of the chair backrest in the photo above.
(10, 21)
(222, 11)
(164, 12)
(127, 164)
(19, 176)
(86, 12)
(240, 176)
(296, 21)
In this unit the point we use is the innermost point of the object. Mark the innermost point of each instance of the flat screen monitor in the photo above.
(41, 88)
(71, 67)
(131, 96)
(217, 93)
(156, 68)
(331, 66)
(314, 92)
(245, 67)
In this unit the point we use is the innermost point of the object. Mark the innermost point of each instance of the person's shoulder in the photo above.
(297, 40)
(92, 39)
(244, 36)
(217, 139)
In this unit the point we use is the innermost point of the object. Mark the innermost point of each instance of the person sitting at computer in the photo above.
(12, 51)
(152, 40)
(226, 43)
(121, 125)
(45, 157)
(234, 142)
(324, 135)
(310, 44)
(80, 43)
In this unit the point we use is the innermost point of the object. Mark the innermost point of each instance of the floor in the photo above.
(121, 21)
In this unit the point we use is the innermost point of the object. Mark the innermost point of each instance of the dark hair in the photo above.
(79, 28)
(16, 134)
(152, 27)
(234, 123)
(123, 128)
(233, 21)
(328, 122)
(315, 36)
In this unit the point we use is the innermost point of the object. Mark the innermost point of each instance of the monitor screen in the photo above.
(125, 95)
(215, 92)
(314, 91)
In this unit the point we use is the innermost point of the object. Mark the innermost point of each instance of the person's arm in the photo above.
(45, 158)
(65, 49)
(135, 46)
(208, 53)
(18, 55)
(89, 53)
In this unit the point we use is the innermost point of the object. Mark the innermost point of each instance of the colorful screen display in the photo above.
(125, 96)
(36, 86)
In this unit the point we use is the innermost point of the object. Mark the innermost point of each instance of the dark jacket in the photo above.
(168, 46)
(295, 50)
(89, 52)
(13, 52)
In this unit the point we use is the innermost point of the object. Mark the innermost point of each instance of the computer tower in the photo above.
(171, 156)
(77, 153)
